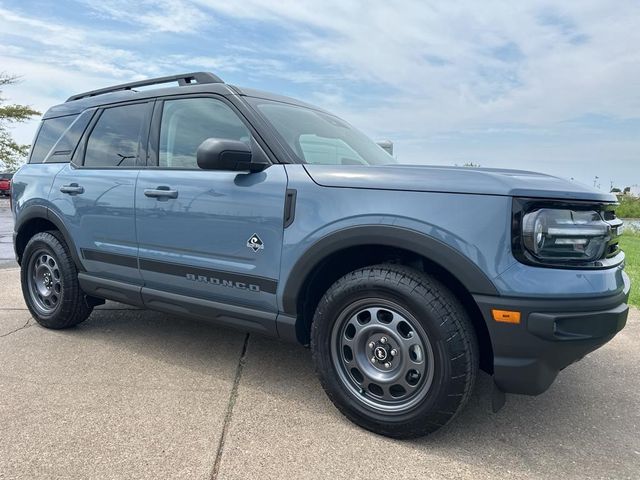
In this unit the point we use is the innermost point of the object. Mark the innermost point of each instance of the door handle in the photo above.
(72, 189)
(160, 192)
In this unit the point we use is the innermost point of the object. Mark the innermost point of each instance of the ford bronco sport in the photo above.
(264, 213)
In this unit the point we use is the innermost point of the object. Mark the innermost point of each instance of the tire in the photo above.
(426, 365)
(50, 285)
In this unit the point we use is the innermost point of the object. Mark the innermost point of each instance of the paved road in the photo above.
(133, 394)
(7, 257)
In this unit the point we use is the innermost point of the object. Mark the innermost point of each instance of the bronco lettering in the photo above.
(223, 282)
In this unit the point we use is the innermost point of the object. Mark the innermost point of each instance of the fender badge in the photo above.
(254, 243)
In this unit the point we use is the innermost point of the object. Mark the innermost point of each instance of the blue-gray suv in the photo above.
(262, 212)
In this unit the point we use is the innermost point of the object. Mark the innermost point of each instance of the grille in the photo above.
(613, 247)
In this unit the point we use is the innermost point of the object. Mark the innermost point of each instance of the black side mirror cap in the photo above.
(230, 155)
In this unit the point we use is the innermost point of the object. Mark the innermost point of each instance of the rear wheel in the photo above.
(50, 283)
(394, 350)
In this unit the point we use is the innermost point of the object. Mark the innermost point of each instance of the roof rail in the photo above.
(194, 78)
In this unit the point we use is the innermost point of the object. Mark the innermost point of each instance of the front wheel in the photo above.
(395, 350)
(50, 283)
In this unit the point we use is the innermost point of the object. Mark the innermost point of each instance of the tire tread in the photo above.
(456, 327)
(74, 308)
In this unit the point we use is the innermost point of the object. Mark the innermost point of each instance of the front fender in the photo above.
(467, 272)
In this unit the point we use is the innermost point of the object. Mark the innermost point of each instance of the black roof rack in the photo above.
(194, 78)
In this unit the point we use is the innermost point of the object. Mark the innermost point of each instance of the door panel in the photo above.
(197, 243)
(100, 219)
(96, 198)
(195, 226)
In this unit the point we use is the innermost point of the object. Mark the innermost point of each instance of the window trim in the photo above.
(153, 144)
(78, 157)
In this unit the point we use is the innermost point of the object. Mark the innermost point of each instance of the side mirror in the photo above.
(222, 154)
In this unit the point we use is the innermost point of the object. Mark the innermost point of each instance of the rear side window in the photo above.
(115, 139)
(50, 132)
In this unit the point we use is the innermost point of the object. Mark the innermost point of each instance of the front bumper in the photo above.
(552, 334)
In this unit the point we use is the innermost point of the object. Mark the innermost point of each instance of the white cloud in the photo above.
(159, 15)
(575, 58)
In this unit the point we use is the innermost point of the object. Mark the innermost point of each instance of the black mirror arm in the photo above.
(251, 166)
(259, 159)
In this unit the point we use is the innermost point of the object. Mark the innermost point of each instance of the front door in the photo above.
(203, 234)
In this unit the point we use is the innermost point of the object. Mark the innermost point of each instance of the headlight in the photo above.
(565, 236)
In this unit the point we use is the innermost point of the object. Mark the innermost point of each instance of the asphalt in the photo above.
(136, 394)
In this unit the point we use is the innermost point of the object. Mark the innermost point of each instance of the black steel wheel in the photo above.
(394, 350)
(50, 282)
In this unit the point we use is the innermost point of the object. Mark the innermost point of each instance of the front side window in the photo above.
(188, 122)
(115, 138)
(320, 138)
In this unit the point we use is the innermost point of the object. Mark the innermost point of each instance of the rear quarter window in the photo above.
(49, 133)
(63, 149)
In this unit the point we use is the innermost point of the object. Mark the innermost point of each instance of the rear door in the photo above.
(95, 193)
(204, 234)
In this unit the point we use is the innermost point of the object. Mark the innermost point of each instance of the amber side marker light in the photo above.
(506, 316)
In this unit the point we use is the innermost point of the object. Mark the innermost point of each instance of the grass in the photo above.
(630, 243)
(629, 207)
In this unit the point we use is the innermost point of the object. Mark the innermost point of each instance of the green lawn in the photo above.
(629, 207)
(630, 243)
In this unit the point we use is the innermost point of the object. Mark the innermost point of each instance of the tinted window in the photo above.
(186, 123)
(115, 137)
(50, 131)
(64, 147)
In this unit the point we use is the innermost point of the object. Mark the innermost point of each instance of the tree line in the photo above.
(12, 153)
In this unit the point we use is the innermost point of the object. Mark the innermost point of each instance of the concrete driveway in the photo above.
(134, 394)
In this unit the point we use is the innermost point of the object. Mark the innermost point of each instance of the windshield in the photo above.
(319, 138)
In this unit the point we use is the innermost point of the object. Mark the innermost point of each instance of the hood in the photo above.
(485, 181)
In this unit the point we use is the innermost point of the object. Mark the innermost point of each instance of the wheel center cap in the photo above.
(380, 353)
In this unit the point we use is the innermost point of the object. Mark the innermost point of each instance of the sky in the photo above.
(535, 85)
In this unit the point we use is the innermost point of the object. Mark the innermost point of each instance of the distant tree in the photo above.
(615, 190)
(627, 190)
(470, 165)
(12, 154)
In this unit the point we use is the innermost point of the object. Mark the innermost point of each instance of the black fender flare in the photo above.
(458, 265)
(39, 211)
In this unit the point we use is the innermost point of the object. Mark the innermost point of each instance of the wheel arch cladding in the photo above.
(355, 247)
(38, 218)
